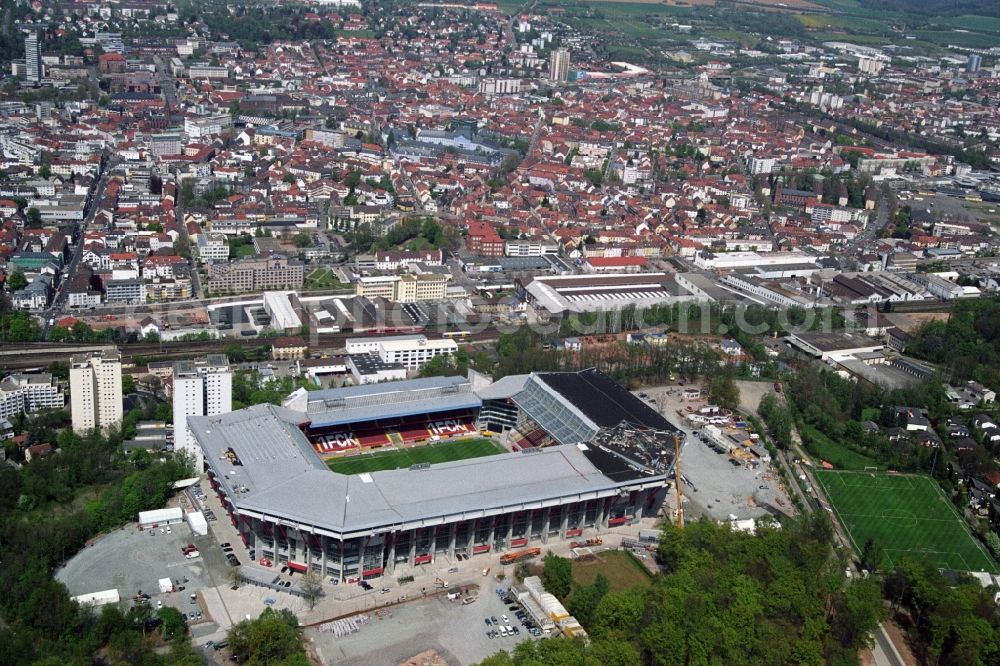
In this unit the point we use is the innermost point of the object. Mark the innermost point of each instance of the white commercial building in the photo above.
(736, 260)
(102, 598)
(199, 526)
(410, 351)
(278, 305)
(160, 517)
(200, 388)
(95, 382)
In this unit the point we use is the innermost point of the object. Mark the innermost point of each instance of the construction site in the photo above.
(725, 471)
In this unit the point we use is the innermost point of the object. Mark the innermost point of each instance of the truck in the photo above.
(440, 584)
(596, 541)
(518, 555)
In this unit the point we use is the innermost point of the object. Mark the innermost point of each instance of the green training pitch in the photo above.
(402, 458)
(904, 515)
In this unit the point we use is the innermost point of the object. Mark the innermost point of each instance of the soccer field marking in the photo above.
(918, 491)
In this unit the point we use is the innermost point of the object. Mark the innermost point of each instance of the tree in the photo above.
(871, 555)
(234, 576)
(302, 240)
(182, 247)
(34, 217)
(164, 412)
(312, 588)
(128, 384)
(722, 391)
(585, 599)
(557, 575)
(16, 281)
(174, 624)
(273, 638)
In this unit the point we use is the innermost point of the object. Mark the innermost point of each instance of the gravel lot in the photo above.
(129, 560)
(456, 632)
(717, 488)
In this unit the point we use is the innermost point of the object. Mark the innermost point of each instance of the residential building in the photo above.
(33, 391)
(255, 274)
(559, 66)
(212, 247)
(126, 292)
(32, 58)
(200, 388)
(289, 348)
(95, 382)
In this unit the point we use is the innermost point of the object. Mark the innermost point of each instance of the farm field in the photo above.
(461, 449)
(903, 515)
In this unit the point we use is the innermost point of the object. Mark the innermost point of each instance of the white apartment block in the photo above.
(530, 248)
(200, 388)
(95, 382)
(21, 393)
(410, 351)
(212, 247)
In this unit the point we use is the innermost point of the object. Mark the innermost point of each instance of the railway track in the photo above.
(29, 355)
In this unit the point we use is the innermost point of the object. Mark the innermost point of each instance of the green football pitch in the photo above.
(402, 458)
(904, 515)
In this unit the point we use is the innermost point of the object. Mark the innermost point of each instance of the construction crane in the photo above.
(677, 481)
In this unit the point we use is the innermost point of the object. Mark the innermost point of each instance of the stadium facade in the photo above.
(605, 464)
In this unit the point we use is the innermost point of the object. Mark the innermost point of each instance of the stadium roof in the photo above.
(573, 406)
(505, 387)
(391, 387)
(398, 410)
(354, 404)
(603, 400)
(278, 475)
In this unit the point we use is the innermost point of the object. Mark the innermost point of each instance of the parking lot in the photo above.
(457, 632)
(131, 561)
(715, 487)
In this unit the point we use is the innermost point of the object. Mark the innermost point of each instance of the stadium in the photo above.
(582, 455)
(397, 414)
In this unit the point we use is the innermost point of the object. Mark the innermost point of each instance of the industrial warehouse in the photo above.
(599, 458)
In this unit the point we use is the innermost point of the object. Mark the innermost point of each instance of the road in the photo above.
(870, 231)
(182, 232)
(884, 653)
(56, 308)
(167, 83)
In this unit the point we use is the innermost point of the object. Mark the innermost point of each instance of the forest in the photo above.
(49, 509)
(967, 345)
(726, 597)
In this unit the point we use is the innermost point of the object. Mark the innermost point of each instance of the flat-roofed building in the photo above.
(289, 506)
(558, 294)
(411, 351)
(96, 390)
